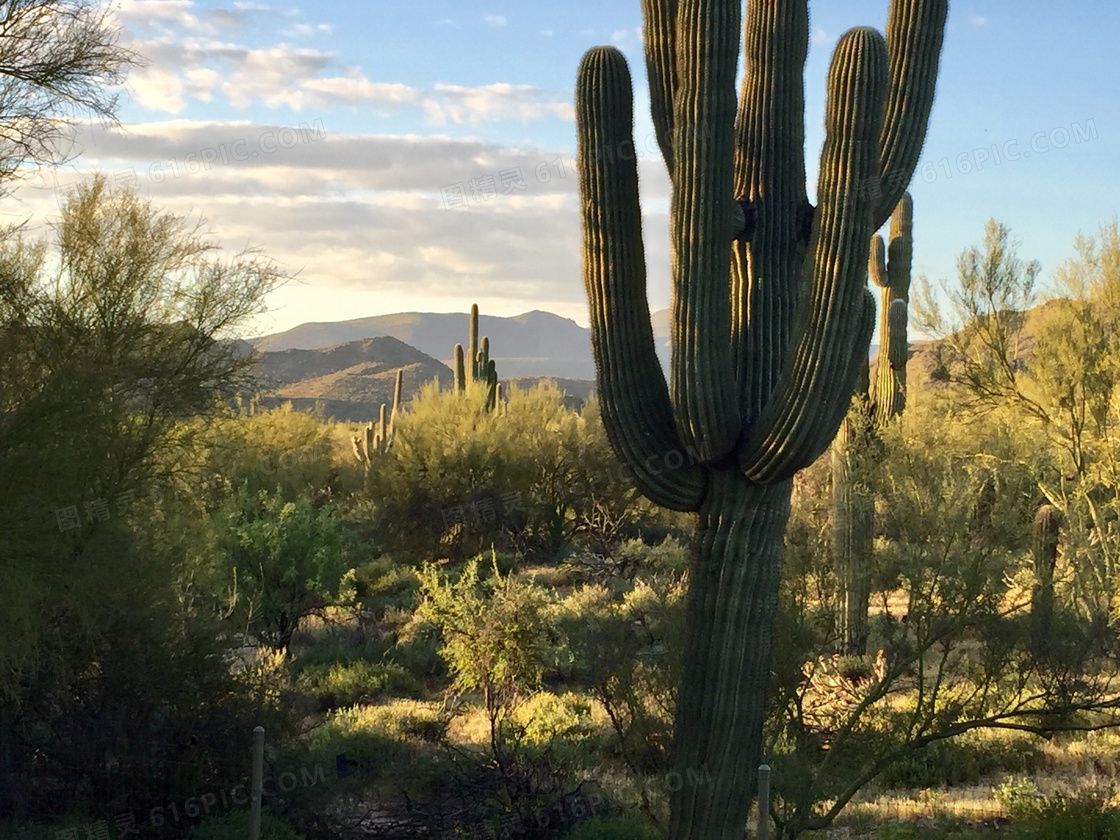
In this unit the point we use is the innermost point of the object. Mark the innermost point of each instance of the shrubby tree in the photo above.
(527, 479)
(1056, 367)
(278, 560)
(949, 624)
(113, 332)
(493, 638)
(58, 58)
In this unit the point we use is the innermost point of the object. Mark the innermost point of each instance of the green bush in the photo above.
(614, 827)
(341, 684)
(962, 760)
(525, 479)
(235, 826)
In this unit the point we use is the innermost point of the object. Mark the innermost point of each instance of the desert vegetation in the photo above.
(499, 611)
(477, 626)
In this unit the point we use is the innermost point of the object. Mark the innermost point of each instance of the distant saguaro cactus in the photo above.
(483, 368)
(857, 448)
(764, 361)
(890, 268)
(376, 440)
(1045, 533)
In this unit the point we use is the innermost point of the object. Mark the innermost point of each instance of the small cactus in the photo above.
(377, 439)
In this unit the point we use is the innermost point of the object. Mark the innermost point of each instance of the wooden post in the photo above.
(258, 784)
(764, 802)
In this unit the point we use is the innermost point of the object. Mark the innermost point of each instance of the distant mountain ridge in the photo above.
(535, 343)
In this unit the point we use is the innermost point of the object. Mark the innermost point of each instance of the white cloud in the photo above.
(546, 33)
(360, 211)
(979, 20)
(190, 64)
(821, 37)
(627, 40)
(459, 104)
(495, 20)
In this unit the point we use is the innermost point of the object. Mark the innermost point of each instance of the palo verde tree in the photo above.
(57, 58)
(771, 317)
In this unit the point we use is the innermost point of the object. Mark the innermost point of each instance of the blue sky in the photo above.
(363, 144)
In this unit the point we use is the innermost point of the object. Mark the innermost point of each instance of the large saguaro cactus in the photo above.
(857, 448)
(771, 317)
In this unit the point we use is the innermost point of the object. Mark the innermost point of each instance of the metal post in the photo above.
(258, 784)
(763, 802)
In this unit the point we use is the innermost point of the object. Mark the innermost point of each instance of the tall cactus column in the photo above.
(857, 447)
(890, 268)
(771, 318)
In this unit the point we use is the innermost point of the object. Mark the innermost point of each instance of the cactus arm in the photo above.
(812, 394)
(636, 408)
(398, 387)
(460, 369)
(877, 262)
(915, 30)
(902, 247)
(701, 211)
(659, 19)
(770, 173)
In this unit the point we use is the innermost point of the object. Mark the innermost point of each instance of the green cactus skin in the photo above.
(769, 330)
(491, 387)
(853, 513)
(472, 342)
(482, 361)
(893, 278)
(1045, 533)
(460, 370)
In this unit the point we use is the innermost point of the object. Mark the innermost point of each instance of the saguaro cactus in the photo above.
(376, 439)
(856, 447)
(1045, 531)
(771, 317)
(483, 368)
(893, 278)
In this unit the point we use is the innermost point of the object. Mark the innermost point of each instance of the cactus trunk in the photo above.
(721, 703)
(853, 510)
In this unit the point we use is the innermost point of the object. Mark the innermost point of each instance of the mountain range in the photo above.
(347, 368)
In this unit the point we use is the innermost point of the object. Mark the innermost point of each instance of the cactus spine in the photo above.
(857, 448)
(760, 377)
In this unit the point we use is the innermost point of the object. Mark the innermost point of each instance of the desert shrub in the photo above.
(293, 453)
(493, 639)
(614, 827)
(344, 684)
(235, 826)
(277, 561)
(620, 641)
(524, 479)
(962, 761)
